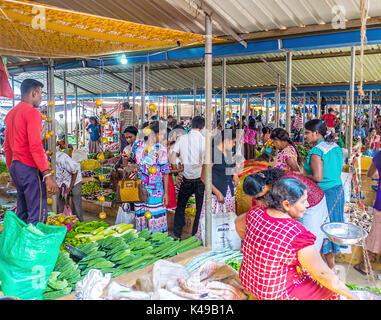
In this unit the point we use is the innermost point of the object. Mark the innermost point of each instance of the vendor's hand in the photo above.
(220, 198)
(165, 199)
(51, 184)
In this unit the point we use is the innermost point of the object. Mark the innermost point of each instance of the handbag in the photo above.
(130, 188)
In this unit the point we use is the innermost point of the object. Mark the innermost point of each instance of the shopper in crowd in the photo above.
(324, 165)
(288, 157)
(330, 120)
(373, 240)
(174, 178)
(94, 128)
(297, 125)
(372, 143)
(224, 176)
(69, 180)
(124, 122)
(280, 261)
(152, 159)
(130, 134)
(259, 184)
(190, 148)
(61, 127)
(251, 139)
(25, 156)
(266, 132)
(359, 132)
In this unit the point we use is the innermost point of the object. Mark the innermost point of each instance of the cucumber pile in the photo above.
(115, 255)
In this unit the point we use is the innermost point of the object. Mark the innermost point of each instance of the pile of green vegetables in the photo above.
(74, 236)
(235, 263)
(356, 287)
(91, 187)
(116, 254)
(303, 151)
(3, 167)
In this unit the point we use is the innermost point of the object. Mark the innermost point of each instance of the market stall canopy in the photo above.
(34, 30)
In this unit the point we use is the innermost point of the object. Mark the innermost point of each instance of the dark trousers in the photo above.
(32, 204)
(76, 201)
(187, 188)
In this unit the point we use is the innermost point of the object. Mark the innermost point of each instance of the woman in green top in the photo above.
(324, 165)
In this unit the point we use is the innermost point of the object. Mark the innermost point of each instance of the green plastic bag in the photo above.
(28, 255)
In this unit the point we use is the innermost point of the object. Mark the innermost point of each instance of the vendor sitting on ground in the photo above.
(277, 251)
(69, 180)
(372, 143)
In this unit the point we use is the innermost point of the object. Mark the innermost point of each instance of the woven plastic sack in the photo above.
(28, 255)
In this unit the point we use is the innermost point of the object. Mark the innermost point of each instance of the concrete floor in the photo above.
(345, 270)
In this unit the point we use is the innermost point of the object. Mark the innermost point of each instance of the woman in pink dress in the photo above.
(280, 261)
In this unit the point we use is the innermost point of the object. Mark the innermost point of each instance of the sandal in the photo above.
(357, 268)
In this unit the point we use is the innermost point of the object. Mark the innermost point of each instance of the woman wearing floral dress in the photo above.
(152, 158)
(288, 157)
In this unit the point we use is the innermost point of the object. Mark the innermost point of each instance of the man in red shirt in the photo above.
(25, 156)
(329, 119)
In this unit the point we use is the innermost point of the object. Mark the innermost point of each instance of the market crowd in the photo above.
(286, 254)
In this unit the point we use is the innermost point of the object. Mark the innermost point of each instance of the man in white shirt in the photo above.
(191, 150)
(69, 178)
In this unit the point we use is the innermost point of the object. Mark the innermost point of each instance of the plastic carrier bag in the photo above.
(28, 255)
(125, 215)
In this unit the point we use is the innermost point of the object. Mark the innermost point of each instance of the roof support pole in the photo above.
(223, 92)
(52, 126)
(371, 110)
(288, 90)
(65, 106)
(134, 118)
(208, 131)
(240, 111)
(76, 114)
(177, 109)
(277, 101)
(142, 93)
(341, 115)
(13, 89)
(304, 115)
(351, 102)
(194, 97)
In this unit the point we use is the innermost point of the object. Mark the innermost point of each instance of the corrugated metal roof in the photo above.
(243, 16)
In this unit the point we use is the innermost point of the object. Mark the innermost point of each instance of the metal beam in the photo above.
(288, 90)
(351, 102)
(223, 88)
(208, 11)
(208, 131)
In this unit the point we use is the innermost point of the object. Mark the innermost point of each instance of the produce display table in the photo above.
(130, 278)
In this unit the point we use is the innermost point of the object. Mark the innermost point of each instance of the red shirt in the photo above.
(23, 126)
(329, 119)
